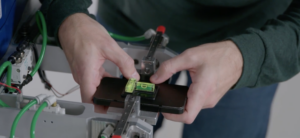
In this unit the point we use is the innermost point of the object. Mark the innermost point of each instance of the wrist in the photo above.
(235, 59)
(237, 55)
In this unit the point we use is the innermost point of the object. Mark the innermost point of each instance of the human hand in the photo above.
(214, 69)
(87, 45)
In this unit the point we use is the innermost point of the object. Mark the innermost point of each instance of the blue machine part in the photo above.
(7, 12)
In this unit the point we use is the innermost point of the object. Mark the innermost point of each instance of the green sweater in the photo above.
(267, 32)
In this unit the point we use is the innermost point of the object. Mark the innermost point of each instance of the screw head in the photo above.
(18, 60)
(22, 54)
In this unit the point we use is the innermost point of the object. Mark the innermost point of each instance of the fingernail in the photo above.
(135, 75)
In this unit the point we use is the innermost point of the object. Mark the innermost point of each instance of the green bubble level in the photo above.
(130, 86)
(144, 86)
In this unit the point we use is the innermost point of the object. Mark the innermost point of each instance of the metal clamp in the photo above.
(132, 103)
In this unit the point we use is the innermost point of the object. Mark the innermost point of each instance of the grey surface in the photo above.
(75, 124)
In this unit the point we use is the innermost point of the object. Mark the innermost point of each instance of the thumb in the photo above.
(170, 67)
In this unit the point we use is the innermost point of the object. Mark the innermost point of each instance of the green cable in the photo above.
(43, 30)
(18, 117)
(5, 65)
(35, 118)
(125, 38)
(3, 104)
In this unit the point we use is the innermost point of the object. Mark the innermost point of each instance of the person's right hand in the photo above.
(87, 45)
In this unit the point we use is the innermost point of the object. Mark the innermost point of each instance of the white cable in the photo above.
(60, 95)
(73, 89)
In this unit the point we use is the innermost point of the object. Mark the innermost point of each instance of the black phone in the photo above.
(169, 98)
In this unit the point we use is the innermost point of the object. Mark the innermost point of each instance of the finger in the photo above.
(196, 99)
(170, 67)
(123, 61)
(90, 81)
(197, 96)
(106, 74)
(101, 109)
(101, 73)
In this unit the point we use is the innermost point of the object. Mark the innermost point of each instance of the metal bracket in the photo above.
(149, 62)
(132, 103)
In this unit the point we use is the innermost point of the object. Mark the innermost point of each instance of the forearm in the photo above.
(271, 54)
(56, 11)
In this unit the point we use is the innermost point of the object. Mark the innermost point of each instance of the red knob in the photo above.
(161, 29)
(116, 136)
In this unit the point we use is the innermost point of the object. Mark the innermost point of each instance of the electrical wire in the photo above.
(18, 117)
(125, 38)
(48, 85)
(60, 95)
(11, 87)
(2, 104)
(43, 30)
(6, 64)
(41, 72)
(35, 118)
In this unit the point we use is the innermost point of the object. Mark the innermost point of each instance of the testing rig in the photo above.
(133, 105)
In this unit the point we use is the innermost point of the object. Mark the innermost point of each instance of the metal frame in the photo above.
(75, 124)
(60, 63)
(80, 120)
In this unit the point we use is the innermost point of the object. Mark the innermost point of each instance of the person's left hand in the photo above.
(214, 69)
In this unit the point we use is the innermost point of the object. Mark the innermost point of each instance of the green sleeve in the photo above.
(271, 54)
(56, 11)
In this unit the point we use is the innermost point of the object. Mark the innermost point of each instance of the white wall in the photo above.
(285, 117)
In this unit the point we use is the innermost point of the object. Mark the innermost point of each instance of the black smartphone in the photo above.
(169, 98)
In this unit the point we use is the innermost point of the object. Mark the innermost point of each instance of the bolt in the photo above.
(18, 70)
(19, 60)
(29, 68)
(22, 54)
(54, 104)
